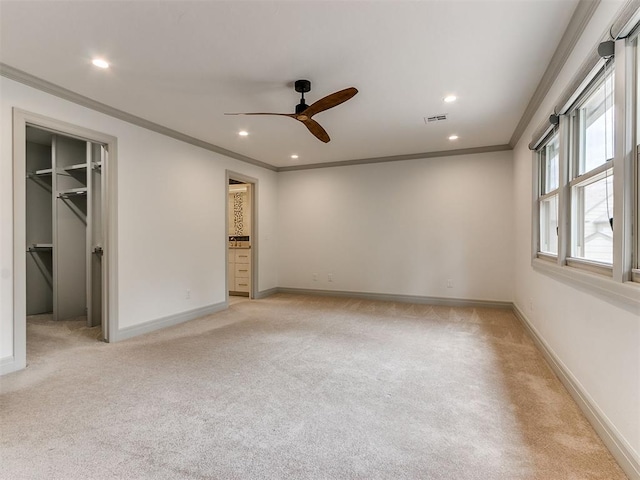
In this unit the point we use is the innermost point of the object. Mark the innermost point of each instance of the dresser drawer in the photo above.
(243, 256)
(242, 285)
(242, 270)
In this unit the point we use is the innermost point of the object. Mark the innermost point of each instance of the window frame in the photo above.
(620, 280)
(543, 195)
(576, 160)
(573, 111)
(601, 172)
(635, 268)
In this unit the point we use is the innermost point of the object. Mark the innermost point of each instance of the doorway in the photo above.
(64, 224)
(241, 236)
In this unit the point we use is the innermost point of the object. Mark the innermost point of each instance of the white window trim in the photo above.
(583, 179)
(547, 257)
(591, 265)
(623, 167)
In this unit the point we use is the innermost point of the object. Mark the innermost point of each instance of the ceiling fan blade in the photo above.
(317, 130)
(262, 113)
(330, 101)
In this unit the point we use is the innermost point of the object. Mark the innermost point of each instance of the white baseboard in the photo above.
(614, 441)
(9, 365)
(266, 293)
(390, 297)
(152, 325)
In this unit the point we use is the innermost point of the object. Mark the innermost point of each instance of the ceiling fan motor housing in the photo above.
(301, 107)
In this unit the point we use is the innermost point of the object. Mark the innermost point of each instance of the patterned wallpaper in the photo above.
(239, 200)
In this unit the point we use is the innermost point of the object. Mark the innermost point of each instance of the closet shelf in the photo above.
(45, 172)
(39, 246)
(77, 166)
(73, 192)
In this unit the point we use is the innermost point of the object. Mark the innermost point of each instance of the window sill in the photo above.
(627, 293)
(547, 257)
(591, 266)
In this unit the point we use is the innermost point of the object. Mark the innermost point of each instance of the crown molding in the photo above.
(579, 20)
(48, 87)
(398, 158)
(61, 92)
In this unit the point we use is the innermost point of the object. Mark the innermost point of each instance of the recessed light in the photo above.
(450, 98)
(243, 133)
(453, 137)
(100, 63)
(294, 156)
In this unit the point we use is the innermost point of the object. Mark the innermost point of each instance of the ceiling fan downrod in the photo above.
(302, 87)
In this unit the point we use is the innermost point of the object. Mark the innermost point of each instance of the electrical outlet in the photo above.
(449, 283)
(315, 277)
(531, 305)
(330, 277)
(187, 295)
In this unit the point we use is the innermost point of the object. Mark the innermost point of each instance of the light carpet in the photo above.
(298, 387)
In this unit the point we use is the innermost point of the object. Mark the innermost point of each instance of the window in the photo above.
(586, 225)
(549, 169)
(592, 168)
(595, 124)
(593, 220)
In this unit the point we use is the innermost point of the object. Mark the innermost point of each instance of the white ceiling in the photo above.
(183, 64)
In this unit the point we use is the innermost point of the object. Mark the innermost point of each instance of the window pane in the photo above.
(549, 225)
(593, 233)
(596, 121)
(551, 165)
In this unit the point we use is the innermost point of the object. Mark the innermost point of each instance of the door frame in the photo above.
(232, 175)
(22, 119)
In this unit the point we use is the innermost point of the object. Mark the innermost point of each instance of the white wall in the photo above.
(597, 341)
(401, 227)
(171, 215)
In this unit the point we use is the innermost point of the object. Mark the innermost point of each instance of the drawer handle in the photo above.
(243, 284)
(240, 270)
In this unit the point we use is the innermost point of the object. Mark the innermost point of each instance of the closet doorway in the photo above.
(63, 223)
(63, 226)
(241, 236)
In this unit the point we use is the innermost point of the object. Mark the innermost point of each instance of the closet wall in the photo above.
(39, 230)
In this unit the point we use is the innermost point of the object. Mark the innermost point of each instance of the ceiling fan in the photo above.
(304, 112)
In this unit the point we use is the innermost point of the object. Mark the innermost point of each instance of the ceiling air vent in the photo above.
(435, 118)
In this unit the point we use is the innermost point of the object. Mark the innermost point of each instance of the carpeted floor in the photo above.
(297, 387)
